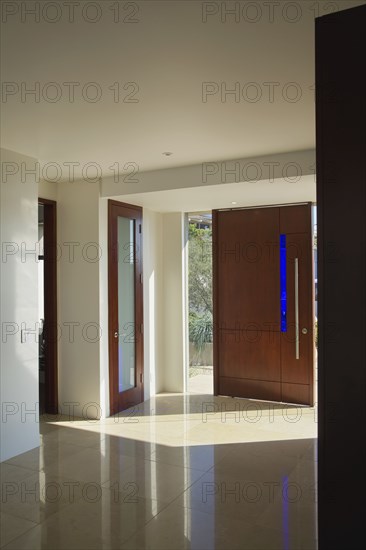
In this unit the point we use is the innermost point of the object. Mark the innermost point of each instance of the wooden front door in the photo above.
(125, 305)
(263, 303)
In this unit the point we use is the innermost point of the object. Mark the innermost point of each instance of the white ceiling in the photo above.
(169, 53)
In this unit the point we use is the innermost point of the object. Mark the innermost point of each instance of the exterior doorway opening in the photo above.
(200, 304)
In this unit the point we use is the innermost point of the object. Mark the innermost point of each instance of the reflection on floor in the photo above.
(178, 472)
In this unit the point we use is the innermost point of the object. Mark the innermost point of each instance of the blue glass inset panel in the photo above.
(283, 283)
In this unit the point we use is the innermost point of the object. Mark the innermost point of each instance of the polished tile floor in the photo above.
(177, 472)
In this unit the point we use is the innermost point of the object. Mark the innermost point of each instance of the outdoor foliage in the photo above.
(200, 329)
(200, 286)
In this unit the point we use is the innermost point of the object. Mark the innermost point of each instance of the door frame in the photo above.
(114, 396)
(50, 304)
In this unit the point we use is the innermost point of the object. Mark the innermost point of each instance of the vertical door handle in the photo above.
(297, 334)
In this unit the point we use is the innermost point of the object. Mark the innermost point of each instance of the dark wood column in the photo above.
(341, 198)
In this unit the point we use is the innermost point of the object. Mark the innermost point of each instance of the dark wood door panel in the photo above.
(250, 389)
(248, 263)
(250, 354)
(296, 393)
(294, 370)
(295, 219)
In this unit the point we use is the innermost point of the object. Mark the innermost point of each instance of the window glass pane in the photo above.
(126, 303)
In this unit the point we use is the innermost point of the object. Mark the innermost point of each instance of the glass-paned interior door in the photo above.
(125, 305)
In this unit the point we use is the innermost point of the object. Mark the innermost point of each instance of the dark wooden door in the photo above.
(125, 305)
(263, 346)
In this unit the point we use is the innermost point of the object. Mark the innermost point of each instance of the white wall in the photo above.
(153, 302)
(47, 190)
(78, 274)
(79, 323)
(173, 302)
(19, 306)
